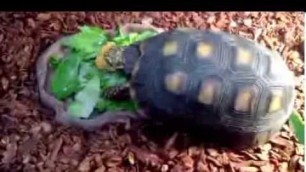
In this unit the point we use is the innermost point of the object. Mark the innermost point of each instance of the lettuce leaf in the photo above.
(111, 105)
(65, 80)
(86, 99)
(297, 123)
(77, 75)
(88, 41)
(109, 79)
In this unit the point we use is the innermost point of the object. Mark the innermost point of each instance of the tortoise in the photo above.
(208, 78)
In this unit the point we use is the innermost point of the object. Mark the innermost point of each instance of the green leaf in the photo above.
(87, 71)
(88, 40)
(78, 73)
(55, 61)
(297, 124)
(86, 99)
(120, 31)
(109, 79)
(65, 81)
(111, 105)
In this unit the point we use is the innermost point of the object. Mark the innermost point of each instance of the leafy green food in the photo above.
(55, 61)
(86, 99)
(86, 72)
(297, 124)
(65, 81)
(109, 79)
(111, 105)
(78, 76)
(88, 40)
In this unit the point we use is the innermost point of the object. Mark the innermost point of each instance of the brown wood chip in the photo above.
(214, 161)
(248, 169)
(24, 35)
(212, 152)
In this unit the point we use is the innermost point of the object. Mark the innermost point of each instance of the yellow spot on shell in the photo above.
(204, 50)
(206, 95)
(243, 100)
(175, 82)
(101, 62)
(276, 101)
(170, 48)
(244, 57)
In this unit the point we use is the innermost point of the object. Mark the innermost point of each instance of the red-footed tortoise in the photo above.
(208, 78)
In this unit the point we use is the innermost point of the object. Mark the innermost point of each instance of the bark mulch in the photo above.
(31, 141)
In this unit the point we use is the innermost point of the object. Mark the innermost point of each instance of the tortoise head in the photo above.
(113, 57)
(110, 57)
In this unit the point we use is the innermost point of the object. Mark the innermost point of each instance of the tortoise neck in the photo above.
(130, 56)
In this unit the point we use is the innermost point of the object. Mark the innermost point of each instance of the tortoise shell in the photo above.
(212, 78)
